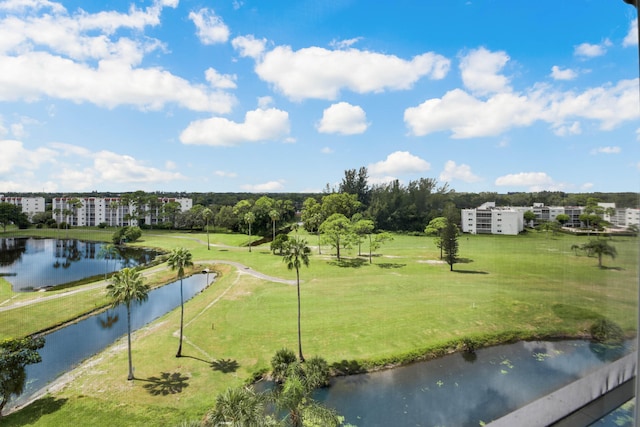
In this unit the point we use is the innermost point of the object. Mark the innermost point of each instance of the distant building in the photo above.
(29, 205)
(489, 219)
(93, 211)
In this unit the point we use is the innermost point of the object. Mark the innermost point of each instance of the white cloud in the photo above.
(631, 38)
(94, 58)
(566, 74)
(534, 181)
(343, 118)
(399, 162)
(588, 50)
(225, 174)
(467, 116)
(462, 172)
(210, 27)
(315, 72)
(220, 81)
(326, 150)
(270, 186)
(480, 71)
(170, 165)
(606, 150)
(259, 125)
(343, 44)
(249, 46)
(16, 157)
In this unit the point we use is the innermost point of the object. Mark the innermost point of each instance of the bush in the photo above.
(316, 371)
(280, 364)
(126, 234)
(606, 331)
(103, 225)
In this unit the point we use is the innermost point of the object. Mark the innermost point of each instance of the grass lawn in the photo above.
(403, 305)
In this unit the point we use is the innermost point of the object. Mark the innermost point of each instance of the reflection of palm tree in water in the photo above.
(67, 249)
(108, 323)
(11, 251)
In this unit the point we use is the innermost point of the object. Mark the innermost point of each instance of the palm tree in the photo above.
(249, 218)
(207, 214)
(275, 216)
(127, 287)
(239, 406)
(600, 247)
(297, 254)
(179, 259)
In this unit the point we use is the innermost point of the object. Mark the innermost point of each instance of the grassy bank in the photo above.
(404, 305)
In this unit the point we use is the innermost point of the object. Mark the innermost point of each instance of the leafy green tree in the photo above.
(128, 287)
(600, 248)
(179, 259)
(563, 219)
(170, 211)
(376, 241)
(356, 183)
(312, 217)
(280, 243)
(15, 355)
(434, 228)
(107, 252)
(11, 214)
(207, 214)
(361, 229)
(450, 243)
(296, 255)
(340, 203)
(529, 218)
(336, 231)
(226, 218)
(126, 233)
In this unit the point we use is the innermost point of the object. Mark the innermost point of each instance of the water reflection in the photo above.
(29, 263)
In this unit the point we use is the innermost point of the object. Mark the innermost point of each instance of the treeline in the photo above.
(392, 206)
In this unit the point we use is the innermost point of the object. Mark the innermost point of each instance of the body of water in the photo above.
(462, 391)
(67, 347)
(30, 263)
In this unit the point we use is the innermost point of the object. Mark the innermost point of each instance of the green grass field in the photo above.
(404, 305)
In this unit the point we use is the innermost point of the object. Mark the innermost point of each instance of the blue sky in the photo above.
(284, 96)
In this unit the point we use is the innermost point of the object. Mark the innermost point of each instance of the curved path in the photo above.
(103, 283)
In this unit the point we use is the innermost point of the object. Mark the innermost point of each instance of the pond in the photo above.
(465, 391)
(67, 347)
(30, 263)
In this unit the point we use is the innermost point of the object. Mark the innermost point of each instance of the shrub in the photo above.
(606, 331)
(280, 364)
(316, 371)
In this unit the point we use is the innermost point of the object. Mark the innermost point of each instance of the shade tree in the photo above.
(15, 355)
(336, 231)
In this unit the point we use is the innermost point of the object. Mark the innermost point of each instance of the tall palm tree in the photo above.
(128, 287)
(207, 214)
(275, 216)
(297, 254)
(249, 218)
(179, 259)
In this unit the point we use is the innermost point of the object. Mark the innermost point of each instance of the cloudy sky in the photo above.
(284, 95)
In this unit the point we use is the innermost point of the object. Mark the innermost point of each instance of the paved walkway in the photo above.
(103, 283)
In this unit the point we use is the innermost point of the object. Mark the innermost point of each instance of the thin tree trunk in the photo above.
(179, 353)
(299, 333)
(208, 244)
(130, 377)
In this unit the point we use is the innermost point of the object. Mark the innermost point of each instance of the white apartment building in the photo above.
(92, 211)
(29, 205)
(489, 219)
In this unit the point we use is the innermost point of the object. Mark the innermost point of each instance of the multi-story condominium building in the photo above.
(489, 219)
(29, 205)
(113, 211)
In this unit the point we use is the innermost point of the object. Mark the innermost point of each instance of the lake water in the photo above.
(458, 391)
(29, 263)
(67, 347)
